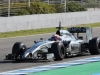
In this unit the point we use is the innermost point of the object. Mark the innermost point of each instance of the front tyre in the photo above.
(59, 50)
(18, 49)
(94, 46)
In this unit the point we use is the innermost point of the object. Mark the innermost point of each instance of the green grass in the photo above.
(26, 32)
(92, 25)
(39, 31)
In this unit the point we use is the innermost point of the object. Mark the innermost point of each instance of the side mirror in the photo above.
(80, 37)
(35, 41)
(41, 39)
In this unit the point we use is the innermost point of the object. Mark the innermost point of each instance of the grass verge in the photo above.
(40, 31)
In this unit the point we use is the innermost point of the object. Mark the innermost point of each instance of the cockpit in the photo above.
(62, 32)
(55, 38)
(62, 35)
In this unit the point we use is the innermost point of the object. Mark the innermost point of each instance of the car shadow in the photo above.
(40, 61)
(25, 61)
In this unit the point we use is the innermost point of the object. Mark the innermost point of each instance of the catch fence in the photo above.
(12, 7)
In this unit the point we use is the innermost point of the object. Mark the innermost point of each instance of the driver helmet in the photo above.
(57, 37)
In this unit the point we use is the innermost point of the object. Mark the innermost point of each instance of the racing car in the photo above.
(67, 45)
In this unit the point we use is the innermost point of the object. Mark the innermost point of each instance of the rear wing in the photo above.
(78, 30)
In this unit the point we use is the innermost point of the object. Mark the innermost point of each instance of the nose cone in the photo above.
(25, 55)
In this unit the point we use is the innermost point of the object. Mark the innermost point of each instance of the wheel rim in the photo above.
(98, 44)
(62, 52)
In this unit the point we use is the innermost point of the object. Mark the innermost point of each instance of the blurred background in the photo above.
(29, 7)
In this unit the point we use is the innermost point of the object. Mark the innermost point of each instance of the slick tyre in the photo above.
(94, 46)
(58, 50)
(18, 49)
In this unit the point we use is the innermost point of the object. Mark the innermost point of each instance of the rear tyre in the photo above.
(59, 50)
(18, 49)
(94, 46)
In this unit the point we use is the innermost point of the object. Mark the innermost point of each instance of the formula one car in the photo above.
(58, 46)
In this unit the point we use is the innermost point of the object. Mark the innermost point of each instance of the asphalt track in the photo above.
(6, 47)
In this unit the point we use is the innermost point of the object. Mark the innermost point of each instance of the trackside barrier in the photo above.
(16, 23)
